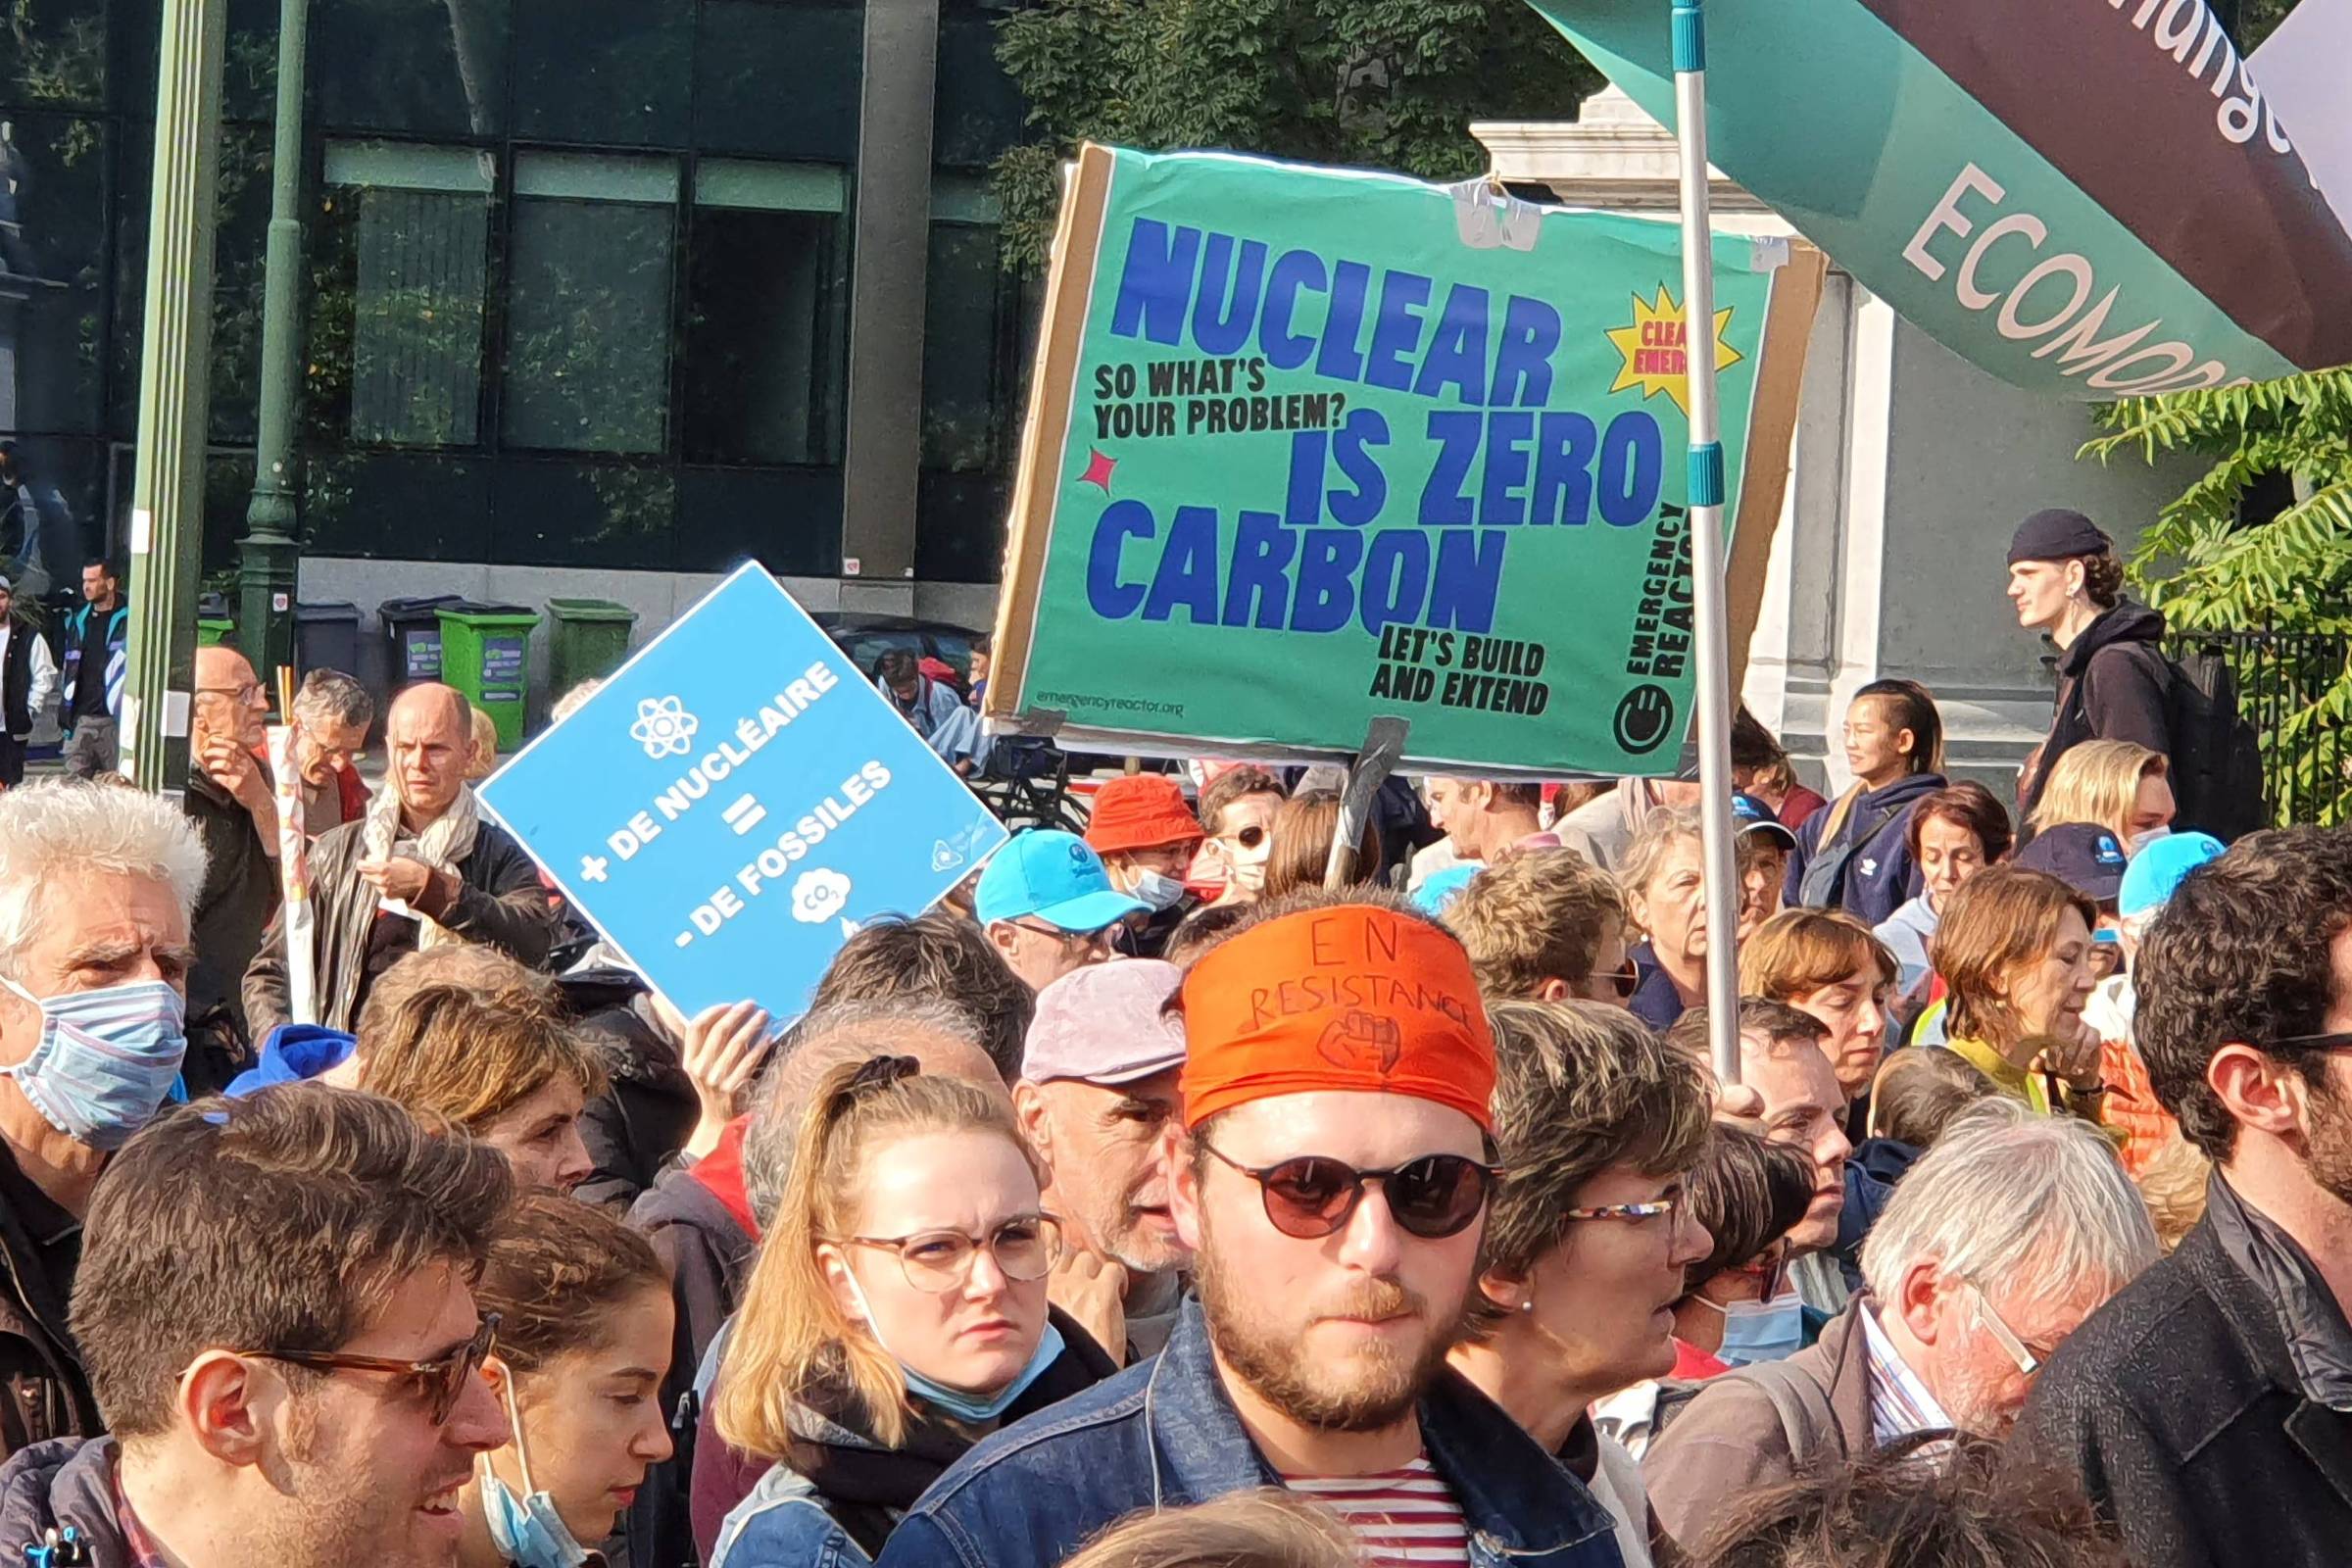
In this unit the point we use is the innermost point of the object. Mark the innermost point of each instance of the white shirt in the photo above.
(40, 663)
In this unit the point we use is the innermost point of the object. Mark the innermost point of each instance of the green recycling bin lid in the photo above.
(467, 614)
(590, 610)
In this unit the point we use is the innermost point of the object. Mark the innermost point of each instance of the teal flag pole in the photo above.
(1713, 693)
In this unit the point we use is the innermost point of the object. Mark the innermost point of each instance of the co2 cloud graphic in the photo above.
(819, 894)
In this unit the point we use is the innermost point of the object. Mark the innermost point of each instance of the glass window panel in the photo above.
(767, 322)
(68, 478)
(55, 54)
(240, 241)
(978, 113)
(788, 519)
(603, 70)
(425, 67)
(613, 514)
(741, 103)
(588, 327)
(410, 505)
(960, 526)
(53, 187)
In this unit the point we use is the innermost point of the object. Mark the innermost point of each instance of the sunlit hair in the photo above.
(1234, 784)
(1748, 1193)
(1536, 915)
(1998, 921)
(2097, 782)
(1302, 834)
(1646, 857)
(1268, 1527)
(558, 1272)
(332, 697)
(470, 1041)
(1965, 805)
(1917, 1094)
(2174, 1183)
(57, 833)
(1798, 952)
(790, 1333)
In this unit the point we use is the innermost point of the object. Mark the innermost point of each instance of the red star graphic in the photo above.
(1099, 466)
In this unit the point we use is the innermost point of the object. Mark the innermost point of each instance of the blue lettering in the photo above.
(1564, 450)
(1500, 503)
(1468, 578)
(1155, 282)
(1187, 569)
(1221, 325)
(1293, 270)
(1396, 329)
(1107, 595)
(1632, 466)
(1395, 579)
(1458, 353)
(1365, 428)
(1303, 502)
(1338, 359)
(1445, 500)
(1257, 591)
(1327, 562)
(1530, 332)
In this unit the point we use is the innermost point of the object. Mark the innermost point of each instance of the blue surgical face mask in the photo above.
(1160, 891)
(960, 1404)
(1760, 1331)
(106, 1060)
(526, 1530)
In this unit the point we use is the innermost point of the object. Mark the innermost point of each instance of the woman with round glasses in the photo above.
(583, 1337)
(1600, 1123)
(896, 1315)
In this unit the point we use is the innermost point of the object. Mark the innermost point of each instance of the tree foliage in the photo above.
(1383, 84)
(2207, 567)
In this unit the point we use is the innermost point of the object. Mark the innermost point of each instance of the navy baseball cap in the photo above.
(1053, 877)
(1751, 815)
(2081, 854)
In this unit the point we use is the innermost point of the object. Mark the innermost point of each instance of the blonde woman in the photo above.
(895, 1317)
(2118, 785)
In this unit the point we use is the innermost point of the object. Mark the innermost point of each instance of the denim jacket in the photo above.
(1163, 1435)
(784, 1524)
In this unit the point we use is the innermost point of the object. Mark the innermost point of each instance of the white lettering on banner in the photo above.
(2120, 364)
(2179, 27)
(793, 843)
(751, 732)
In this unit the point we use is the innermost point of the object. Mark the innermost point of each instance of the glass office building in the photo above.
(649, 285)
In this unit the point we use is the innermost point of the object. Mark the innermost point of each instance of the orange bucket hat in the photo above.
(1347, 997)
(1141, 812)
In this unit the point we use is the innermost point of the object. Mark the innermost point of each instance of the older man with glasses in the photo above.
(232, 803)
(1332, 1174)
(1999, 1242)
(1047, 905)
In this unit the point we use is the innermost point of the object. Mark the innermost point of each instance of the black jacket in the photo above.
(1878, 877)
(501, 903)
(44, 1393)
(646, 1116)
(2179, 1407)
(240, 893)
(2113, 685)
(60, 1486)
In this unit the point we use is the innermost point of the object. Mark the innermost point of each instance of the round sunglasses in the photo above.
(1309, 1196)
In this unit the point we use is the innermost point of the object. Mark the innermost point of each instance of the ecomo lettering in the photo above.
(2051, 298)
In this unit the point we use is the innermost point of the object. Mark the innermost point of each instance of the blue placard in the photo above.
(736, 799)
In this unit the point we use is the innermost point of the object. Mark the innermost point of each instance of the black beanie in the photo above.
(2057, 535)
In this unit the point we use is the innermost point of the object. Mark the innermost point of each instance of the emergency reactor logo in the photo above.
(1378, 524)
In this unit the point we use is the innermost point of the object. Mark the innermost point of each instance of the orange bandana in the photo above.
(1349, 997)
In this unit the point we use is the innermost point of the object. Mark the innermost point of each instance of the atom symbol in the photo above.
(663, 727)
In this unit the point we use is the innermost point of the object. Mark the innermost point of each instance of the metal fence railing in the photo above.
(2306, 747)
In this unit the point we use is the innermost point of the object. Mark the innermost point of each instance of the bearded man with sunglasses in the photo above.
(274, 1305)
(1331, 1175)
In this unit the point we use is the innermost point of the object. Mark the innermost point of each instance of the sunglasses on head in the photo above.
(1311, 1196)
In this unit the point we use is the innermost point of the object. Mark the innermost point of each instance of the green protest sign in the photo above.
(1311, 447)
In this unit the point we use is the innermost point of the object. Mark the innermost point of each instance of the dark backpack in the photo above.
(2217, 760)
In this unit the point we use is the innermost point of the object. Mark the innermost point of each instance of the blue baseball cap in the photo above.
(1441, 888)
(1751, 815)
(2155, 872)
(1054, 878)
(2081, 854)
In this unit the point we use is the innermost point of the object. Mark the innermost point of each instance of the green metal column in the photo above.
(167, 496)
(267, 555)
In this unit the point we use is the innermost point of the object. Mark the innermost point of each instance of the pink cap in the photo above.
(1102, 1025)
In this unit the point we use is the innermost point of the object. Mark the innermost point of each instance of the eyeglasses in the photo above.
(1673, 1209)
(441, 1380)
(2004, 1336)
(1311, 1196)
(939, 1261)
(1068, 939)
(1626, 978)
(2340, 1041)
(245, 696)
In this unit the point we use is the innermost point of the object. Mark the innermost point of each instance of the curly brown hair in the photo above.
(1537, 916)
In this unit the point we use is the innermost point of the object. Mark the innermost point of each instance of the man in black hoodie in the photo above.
(2113, 681)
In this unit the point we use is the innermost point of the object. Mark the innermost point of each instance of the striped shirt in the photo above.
(1398, 1517)
(1899, 1402)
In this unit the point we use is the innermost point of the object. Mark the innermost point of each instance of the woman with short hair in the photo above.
(1827, 964)
(1663, 877)
(2015, 949)
(2118, 785)
(1952, 835)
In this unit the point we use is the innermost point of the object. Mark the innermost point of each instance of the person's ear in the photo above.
(1513, 1293)
(1906, 743)
(2259, 1091)
(1030, 1114)
(834, 1264)
(1004, 937)
(2074, 575)
(225, 1404)
(1551, 988)
(1920, 1300)
(1183, 1184)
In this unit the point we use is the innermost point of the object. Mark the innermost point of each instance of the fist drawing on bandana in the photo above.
(1362, 1040)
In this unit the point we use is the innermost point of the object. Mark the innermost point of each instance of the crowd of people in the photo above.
(1186, 1193)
